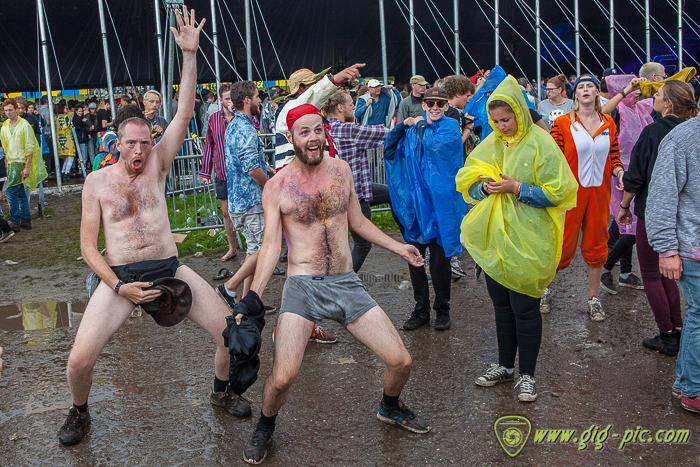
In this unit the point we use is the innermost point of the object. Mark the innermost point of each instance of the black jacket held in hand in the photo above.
(243, 342)
(642, 160)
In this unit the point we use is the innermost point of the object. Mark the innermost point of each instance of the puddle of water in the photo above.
(31, 316)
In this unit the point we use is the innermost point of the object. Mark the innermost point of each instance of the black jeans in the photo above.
(440, 272)
(518, 326)
(621, 247)
(361, 247)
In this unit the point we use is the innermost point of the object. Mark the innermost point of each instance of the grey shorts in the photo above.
(342, 298)
(252, 225)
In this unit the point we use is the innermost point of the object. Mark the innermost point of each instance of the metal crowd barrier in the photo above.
(193, 200)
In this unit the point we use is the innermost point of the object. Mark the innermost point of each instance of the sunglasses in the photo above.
(430, 104)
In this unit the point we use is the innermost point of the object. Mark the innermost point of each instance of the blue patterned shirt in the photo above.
(244, 153)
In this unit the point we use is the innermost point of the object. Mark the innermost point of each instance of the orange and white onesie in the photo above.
(592, 160)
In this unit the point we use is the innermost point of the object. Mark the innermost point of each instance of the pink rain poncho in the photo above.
(633, 118)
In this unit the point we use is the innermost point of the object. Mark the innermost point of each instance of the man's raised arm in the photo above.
(188, 41)
(272, 239)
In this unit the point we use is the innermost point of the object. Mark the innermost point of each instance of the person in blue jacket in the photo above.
(379, 105)
(422, 156)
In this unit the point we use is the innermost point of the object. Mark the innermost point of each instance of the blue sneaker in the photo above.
(403, 417)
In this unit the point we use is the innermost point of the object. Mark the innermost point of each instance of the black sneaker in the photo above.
(527, 388)
(403, 417)
(75, 427)
(5, 236)
(230, 301)
(255, 450)
(632, 282)
(442, 322)
(494, 375)
(608, 284)
(236, 405)
(416, 320)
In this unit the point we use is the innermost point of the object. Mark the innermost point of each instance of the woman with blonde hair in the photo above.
(588, 139)
(556, 103)
(676, 104)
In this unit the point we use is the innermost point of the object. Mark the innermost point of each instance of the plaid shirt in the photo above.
(214, 146)
(352, 140)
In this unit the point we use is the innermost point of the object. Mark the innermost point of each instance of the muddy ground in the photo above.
(150, 405)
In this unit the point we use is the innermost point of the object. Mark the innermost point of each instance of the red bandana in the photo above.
(307, 109)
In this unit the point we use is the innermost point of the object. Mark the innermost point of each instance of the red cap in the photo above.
(297, 112)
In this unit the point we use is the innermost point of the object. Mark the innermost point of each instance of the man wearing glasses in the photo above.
(417, 153)
(654, 72)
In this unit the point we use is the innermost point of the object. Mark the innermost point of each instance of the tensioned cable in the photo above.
(257, 35)
(620, 30)
(639, 8)
(501, 39)
(568, 15)
(119, 43)
(53, 49)
(427, 35)
(460, 42)
(230, 49)
(554, 64)
(241, 36)
(675, 7)
(417, 39)
(274, 49)
(641, 11)
(549, 32)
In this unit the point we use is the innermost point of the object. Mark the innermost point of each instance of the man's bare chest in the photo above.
(310, 204)
(122, 201)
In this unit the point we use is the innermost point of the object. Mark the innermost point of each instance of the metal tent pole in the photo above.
(161, 60)
(612, 33)
(413, 38)
(215, 41)
(497, 25)
(108, 68)
(383, 33)
(538, 85)
(47, 74)
(680, 34)
(248, 41)
(578, 40)
(647, 29)
(456, 9)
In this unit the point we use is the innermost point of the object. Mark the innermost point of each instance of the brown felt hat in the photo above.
(171, 306)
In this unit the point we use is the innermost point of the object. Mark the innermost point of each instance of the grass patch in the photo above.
(384, 220)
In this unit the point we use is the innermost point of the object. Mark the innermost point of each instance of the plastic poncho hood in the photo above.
(517, 245)
(421, 184)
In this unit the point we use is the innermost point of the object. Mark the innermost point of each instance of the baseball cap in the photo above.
(373, 83)
(418, 79)
(610, 71)
(435, 94)
(92, 105)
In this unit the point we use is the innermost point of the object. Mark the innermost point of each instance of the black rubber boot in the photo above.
(416, 320)
(665, 343)
(442, 321)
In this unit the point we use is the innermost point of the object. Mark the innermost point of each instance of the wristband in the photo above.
(624, 94)
(118, 286)
(623, 207)
(330, 78)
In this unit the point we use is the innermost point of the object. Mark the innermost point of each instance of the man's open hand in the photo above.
(411, 254)
(134, 292)
(187, 37)
(348, 74)
(671, 267)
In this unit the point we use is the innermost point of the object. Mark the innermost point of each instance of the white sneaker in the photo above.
(595, 309)
(545, 301)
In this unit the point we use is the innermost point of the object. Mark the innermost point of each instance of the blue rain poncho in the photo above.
(421, 169)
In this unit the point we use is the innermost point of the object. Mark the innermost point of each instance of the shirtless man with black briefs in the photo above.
(128, 199)
(313, 199)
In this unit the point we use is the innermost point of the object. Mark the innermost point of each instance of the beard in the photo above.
(302, 152)
(254, 110)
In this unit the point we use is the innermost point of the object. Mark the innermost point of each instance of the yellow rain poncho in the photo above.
(649, 89)
(18, 140)
(517, 245)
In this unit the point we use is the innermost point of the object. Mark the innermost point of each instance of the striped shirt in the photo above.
(352, 140)
(214, 146)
